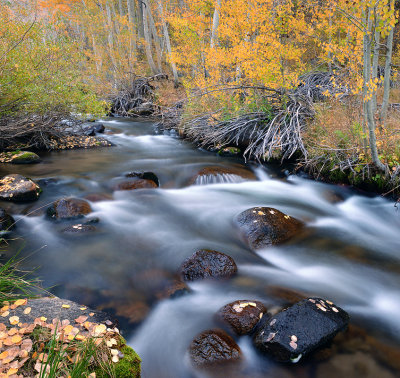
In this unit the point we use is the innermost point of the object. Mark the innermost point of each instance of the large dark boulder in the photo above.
(264, 226)
(18, 188)
(69, 208)
(7, 222)
(93, 128)
(213, 347)
(242, 316)
(208, 264)
(144, 176)
(300, 329)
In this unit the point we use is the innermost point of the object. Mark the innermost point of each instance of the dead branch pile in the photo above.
(33, 131)
(259, 133)
(262, 135)
(141, 91)
(316, 85)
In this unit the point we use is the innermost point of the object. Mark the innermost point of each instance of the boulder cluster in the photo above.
(285, 336)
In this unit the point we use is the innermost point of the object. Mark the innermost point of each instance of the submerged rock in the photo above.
(300, 329)
(18, 188)
(242, 316)
(7, 222)
(145, 176)
(208, 264)
(69, 208)
(265, 226)
(79, 229)
(98, 197)
(213, 347)
(134, 183)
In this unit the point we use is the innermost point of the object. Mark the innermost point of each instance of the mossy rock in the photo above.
(19, 157)
(127, 367)
(25, 157)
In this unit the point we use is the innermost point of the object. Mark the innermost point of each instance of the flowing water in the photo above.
(349, 253)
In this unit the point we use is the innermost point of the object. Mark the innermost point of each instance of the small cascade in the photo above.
(224, 178)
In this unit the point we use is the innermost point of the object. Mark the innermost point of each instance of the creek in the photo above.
(349, 252)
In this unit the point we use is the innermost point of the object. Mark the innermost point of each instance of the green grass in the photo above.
(15, 283)
(59, 363)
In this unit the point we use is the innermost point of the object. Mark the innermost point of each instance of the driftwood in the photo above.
(33, 131)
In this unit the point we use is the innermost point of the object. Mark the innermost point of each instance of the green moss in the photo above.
(127, 367)
(24, 157)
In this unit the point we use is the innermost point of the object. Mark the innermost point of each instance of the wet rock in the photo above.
(69, 208)
(156, 283)
(229, 151)
(93, 128)
(213, 347)
(173, 289)
(265, 226)
(134, 311)
(215, 174)
(7, 222)
(145, 176)
(18, 188)
(300, 329)
(242, 316)
(98, 197)
(208, 264)
(19, 157)
(134, 183)
(79, 229)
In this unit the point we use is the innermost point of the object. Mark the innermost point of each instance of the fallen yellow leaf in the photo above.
(16, 339)
(27, 310)
(14, 320)
(20, 302)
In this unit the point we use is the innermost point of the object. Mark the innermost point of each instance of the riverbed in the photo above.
(349, 252)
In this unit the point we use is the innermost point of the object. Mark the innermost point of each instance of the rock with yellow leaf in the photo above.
(242, 316)
(261, 227)
(300, 329)
(17, 188)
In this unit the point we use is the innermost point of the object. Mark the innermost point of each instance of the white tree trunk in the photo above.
(168, 43)
(214, 31)
(147, 38)
(368, 102)
(375, 62)
(386, 83)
